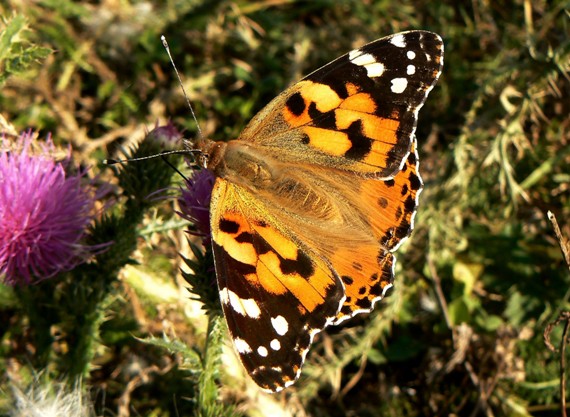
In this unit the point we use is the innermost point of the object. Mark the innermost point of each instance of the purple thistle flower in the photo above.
(167, 136)
(44, 212)
(194, 203)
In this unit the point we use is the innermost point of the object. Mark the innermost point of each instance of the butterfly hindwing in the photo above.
(391, 207)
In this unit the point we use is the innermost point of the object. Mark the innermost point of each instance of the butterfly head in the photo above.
(207, 153)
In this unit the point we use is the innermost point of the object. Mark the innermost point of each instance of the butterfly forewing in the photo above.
(276, 294)
(357, 113)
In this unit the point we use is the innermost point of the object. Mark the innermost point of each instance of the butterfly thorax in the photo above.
(237, 162)
(275, 182)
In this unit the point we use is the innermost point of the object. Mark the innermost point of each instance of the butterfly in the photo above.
(313, 198)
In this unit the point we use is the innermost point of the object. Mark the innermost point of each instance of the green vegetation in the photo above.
(476, 285)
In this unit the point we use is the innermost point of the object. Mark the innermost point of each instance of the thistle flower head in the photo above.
(140, 180)
(194, 203)
(44, 212)
(166, 136)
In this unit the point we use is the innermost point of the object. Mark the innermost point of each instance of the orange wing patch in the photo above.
(343, 127)
(277, 265)
(361, 102)
(366, 278)
(322, 96)
(331, 142)
(393, 203)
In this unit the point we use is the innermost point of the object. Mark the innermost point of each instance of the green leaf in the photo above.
(190, 358)
(468, 274)
(490, 322)
(459, 312)
(17, 54)
(376, 357)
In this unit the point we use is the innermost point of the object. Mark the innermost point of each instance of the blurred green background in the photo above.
(476, 285)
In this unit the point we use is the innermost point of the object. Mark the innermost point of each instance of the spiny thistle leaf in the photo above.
(16, 53)
(191, 359)
(202, 279)
(208, 404)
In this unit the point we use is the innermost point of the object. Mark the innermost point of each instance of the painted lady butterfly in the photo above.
(313, 198)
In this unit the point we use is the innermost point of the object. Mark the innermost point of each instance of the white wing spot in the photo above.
(251, 308)
(358, 58)
(262, 351)
(242, 346)
(411, 54)
(275, 345)
(428, 57)
(244, 306)
(399, 41)
(373, 67)
(280, 325)
(375, 70)
(399, 85)
(224, 296)
(411, 70)
(353, 54)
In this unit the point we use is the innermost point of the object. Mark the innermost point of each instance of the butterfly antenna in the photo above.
(161, 155)
(165, 44)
